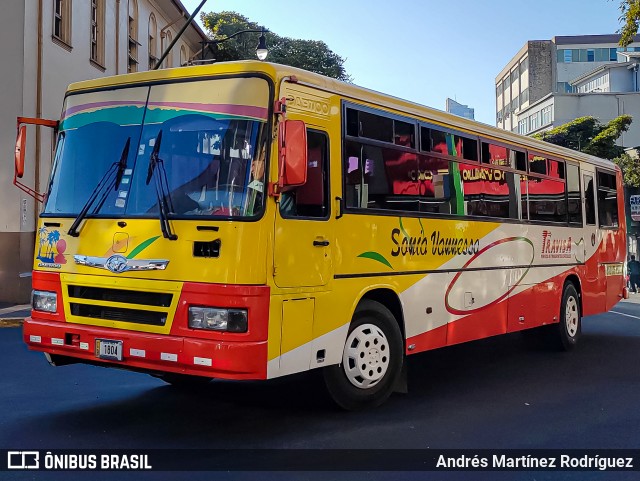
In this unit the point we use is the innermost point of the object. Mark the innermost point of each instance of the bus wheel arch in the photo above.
(373, 356)
(565, 334)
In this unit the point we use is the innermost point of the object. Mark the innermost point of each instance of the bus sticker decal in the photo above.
(498, 292)
(376, 257)
(51, 248)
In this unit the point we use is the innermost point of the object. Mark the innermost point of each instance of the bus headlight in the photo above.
(215, 319)
(44, 301)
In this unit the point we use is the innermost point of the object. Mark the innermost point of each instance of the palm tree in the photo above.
(42, 234)
(52, 238)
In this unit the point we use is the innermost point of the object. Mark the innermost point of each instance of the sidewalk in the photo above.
(12, 315)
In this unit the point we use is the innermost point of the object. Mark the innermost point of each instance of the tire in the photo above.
(565, 335)
(183, 381)
(375, 340)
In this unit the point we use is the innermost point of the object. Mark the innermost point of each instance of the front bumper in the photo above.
(151, 352)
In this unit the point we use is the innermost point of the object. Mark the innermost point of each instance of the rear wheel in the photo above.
(371, 361)
(570, 325)
(564, 335)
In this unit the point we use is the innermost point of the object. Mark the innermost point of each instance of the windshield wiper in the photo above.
(165, 205)
(107, 180)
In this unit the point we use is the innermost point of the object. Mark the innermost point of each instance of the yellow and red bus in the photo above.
(249, 220)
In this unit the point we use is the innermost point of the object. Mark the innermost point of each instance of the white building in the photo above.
(545, 70)
(44, 46)
(605, 93)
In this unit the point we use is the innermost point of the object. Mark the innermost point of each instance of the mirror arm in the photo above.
(53, 124)
(280, 111)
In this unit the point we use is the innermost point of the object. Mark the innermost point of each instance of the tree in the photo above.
(630, 16)
(588, 135)
(311, 55)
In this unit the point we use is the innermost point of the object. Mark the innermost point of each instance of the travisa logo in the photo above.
(555, 248)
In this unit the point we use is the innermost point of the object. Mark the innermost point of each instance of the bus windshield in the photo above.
(211, 156)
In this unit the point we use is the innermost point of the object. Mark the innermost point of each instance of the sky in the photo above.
(427, 50)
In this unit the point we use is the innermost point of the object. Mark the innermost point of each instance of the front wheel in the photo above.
(371, 361)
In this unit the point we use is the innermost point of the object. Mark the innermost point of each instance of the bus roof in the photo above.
(347, 90)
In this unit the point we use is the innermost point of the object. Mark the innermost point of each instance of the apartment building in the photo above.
(45, 46)
(545, 70)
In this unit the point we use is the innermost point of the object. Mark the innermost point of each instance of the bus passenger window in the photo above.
(433, 179)
(546, 200)
(494, 155)
(537, 164)
(518, 160)
(573, 195)
(489, 192)
(589, 200)
(607, 200)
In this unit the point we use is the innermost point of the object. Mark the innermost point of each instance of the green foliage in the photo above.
(311, 55)
(588, 135)
(604, 143)
(630, 17)
(630, 169)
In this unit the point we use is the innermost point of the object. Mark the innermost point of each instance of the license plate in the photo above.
(107, 349)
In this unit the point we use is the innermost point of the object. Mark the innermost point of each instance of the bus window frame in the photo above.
(597, 200)
(326, 180)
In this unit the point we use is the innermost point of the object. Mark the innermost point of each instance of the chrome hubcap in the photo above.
(366, 356)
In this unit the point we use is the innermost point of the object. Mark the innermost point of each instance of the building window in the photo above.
(97, 31)
(183, 56)
(524, 65)
(591, 55)
(132, 65)
(62, 20)
(564, 88)
(505, 89)
(153, 47)
(514, 76)
(547, 115)
(169, 60)
(524, 96)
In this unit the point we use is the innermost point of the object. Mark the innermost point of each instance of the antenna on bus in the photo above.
(184, 27)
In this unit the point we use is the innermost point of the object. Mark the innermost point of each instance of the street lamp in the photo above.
(261, 49)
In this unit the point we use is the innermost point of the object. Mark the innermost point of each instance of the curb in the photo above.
(11, 322)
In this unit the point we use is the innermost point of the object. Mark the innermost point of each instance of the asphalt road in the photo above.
(495, 393)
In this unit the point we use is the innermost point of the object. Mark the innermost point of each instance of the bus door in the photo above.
(592, 300)
(304, 229)
(303, 246)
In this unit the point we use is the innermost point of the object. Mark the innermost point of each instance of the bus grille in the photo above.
(121, 295)
(119, 314)
(137, 300)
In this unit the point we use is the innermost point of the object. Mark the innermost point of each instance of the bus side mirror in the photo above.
(292, 157)
(294, 149)
(21, 142)
(20, 152)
